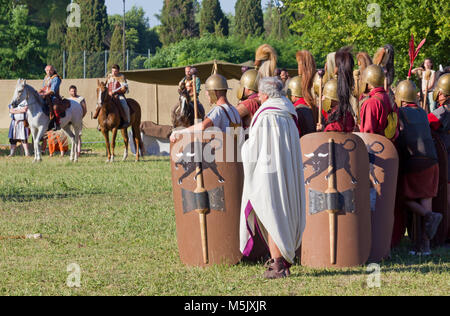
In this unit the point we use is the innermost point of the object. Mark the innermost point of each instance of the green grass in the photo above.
(117, 223)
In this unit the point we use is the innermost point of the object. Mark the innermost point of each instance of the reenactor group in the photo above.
(347, 120)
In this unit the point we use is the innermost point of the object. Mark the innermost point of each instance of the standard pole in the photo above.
(123, 32)
(84, 64)
(64, 64)
(128, 59)
(106, 62)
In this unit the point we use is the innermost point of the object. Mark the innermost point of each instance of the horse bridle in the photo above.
(102, 98)
(16, 103)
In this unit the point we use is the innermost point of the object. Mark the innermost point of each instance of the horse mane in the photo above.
(35, 94)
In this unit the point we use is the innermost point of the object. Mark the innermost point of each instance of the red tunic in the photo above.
(347, 127)
(435, 122)
(374, 113)
(252, 105)
(300, 101)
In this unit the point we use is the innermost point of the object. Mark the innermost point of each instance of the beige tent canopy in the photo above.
(172, 76)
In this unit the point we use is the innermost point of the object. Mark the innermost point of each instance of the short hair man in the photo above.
(77, 100)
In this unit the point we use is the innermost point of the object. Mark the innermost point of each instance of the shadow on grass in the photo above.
(22, 198)
(401, 261)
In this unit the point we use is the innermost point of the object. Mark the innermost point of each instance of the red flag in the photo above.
(413, 52)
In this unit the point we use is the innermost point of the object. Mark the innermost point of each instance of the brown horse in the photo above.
(109, 120)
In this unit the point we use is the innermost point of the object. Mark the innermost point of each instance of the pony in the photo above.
(109, 120)
(38, 118)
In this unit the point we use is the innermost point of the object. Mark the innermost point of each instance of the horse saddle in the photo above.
(60, 105)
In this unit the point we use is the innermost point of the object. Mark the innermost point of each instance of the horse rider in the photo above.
(117, 87)
(51, 96)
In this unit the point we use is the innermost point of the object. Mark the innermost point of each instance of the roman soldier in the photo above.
(51, 96)
(223, 115)
(248, 95)
(440, 118)
(378, 115)
(364, 60)
(304, 112)
(336, 118)
(419, 173)
(117, 87)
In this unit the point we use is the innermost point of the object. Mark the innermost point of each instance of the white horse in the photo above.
(72, 123)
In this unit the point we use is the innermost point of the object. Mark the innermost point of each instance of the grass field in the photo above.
(116, 222)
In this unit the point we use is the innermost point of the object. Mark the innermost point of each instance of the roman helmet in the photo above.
(295, 87)
(316, 82)
(330, 94)
(443, 85)
(216, 82)
(406, 91)
(249, 80)
(373, 75)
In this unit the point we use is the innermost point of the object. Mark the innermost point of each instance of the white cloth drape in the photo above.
(274, 180)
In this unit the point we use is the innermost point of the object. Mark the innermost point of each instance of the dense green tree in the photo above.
(231, 49)
(90, 37)
(56, 37)
(21, 47)
(249, 19)
(212, 19)
(42, 13)
(276, 23)
(178, 21)
(139, 36)
(329, 25)
(115, 53)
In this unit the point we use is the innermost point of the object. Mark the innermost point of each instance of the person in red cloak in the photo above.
(378, 115)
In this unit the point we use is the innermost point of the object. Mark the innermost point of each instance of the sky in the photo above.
(152, 7)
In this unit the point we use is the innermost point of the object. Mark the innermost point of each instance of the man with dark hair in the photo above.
(117, 87)
(284, 76)
(75, 99)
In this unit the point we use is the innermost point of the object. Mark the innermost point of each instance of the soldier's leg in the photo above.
(126, 110)
(97, 112)
(13, 147)
(431, 219)
(122, 113)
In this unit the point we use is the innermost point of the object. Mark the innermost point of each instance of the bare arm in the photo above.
(18, 110)
(243, 111)
(197, 127)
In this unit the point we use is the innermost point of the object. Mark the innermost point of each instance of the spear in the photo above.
(427, 80)
(321, 73)
(333, 196)
(200, 190)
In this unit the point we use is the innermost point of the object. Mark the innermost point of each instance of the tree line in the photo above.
(34, 33)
